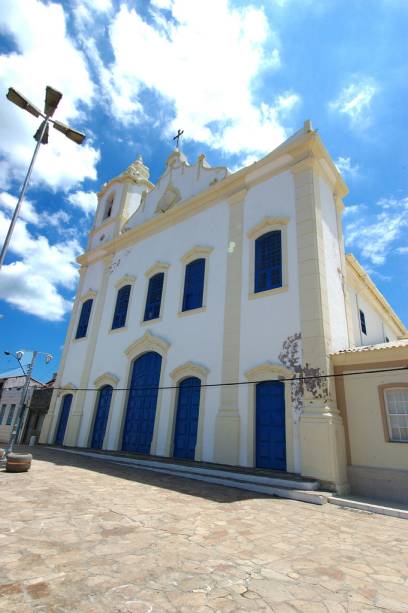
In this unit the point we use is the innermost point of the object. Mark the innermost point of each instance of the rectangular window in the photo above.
(84, 319)
(396, 403)
(194, 285)
(363, 322)
(268, 261)
(10, 415)
(2, 411)
(121, 307)
(154, 297)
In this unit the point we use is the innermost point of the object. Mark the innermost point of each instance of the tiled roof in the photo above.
(390, 345)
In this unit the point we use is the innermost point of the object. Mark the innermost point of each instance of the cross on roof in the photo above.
(177, 137)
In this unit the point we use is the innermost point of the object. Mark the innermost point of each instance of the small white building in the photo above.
(210, 277)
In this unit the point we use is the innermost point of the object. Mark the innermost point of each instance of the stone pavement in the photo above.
(83, 535)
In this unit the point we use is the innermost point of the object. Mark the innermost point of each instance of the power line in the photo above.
(293, 379)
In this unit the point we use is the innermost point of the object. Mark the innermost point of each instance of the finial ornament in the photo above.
(177, 137)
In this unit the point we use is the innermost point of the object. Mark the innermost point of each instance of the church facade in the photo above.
(209, 278)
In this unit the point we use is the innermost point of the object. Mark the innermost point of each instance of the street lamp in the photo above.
(20, 413)
(52, 98)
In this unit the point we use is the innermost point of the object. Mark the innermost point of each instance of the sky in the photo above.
(239, 77)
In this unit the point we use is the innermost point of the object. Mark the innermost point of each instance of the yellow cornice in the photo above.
(304, 148)
(122, 179)
(372, 288)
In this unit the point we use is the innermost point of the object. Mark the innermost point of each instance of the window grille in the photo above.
(84, 319)
(268, 261)
(121, 307)
(154, 297)
(194, 285)
(10, 415)
(363, 322)
(396, 402)
(2, 411)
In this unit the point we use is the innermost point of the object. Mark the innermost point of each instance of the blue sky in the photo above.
(238, 77)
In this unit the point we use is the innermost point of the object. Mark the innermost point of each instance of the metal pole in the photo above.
(21, 408)
(21, 196)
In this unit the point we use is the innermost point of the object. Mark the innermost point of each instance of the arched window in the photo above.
(268, 261)
(84, 319)
(108, 207)
(122, 301)
(194, 285)
(154, 297)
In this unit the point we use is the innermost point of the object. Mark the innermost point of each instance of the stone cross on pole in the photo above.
(177, 137)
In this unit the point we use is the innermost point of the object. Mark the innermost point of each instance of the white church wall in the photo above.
(193, 337)
(267, 320)
(77, 350)
(336, 302)
(376, 331)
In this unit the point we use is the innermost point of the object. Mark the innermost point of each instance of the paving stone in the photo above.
(78, 535)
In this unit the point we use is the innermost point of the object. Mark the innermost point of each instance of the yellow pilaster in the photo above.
(321, 428)
(227, 424)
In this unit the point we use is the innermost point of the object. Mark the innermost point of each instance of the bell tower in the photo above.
(118, 199)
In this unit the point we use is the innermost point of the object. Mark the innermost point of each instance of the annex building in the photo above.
(213, 277)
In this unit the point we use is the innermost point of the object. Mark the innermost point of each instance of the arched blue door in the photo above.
(141, 406)
(188, 406)
(63, 420)
(101, 417)
(270, 425)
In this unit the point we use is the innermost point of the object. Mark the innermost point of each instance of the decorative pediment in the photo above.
(106, 379)
(189, 369)
(147, 342)
(125, 280)
(268, 371)
(179, 182)
(267, 224)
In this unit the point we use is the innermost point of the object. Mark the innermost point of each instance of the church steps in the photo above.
(294, 489)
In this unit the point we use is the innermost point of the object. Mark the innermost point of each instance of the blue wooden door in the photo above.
(270, 425)
(141, 405)
(101, 417)
(188, 406)
(63, 420)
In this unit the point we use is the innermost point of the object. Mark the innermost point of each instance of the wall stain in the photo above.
(291, 358)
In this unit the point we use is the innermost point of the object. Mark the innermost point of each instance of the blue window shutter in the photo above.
(121, 307)
(268, 261)
(363, 322)
(194, 285)
(84, 319)
(154, 297)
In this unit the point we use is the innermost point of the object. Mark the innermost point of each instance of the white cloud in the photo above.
(27, 210)
(346, 168)
(46, 56)
(33, 283)
(353, 209)
(203, 63)
(375, 239)
(86, 201)
(28, 213)
(355, 101)
(402, 250)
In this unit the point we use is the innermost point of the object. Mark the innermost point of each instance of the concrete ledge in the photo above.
(370, 506)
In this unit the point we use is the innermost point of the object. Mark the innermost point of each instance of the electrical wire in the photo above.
(293, 379)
